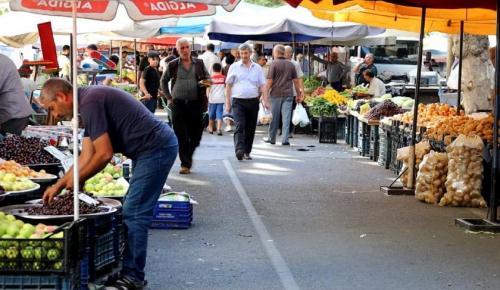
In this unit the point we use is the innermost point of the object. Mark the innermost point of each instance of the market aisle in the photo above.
(328, 220)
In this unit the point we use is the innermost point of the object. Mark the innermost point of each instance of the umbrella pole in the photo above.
(71, 53)
(120, 62)
(293, 45)
(309, 57)
(417, 99)
(76, 179)
(136, 65)
(459, 93)
(492, 210)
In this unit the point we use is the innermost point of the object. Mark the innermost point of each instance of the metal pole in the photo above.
(76, 178)
(459, 93)
(71, 54)
(309, 57)
(492, 210)
(417, 99)
(293, 45)
(111, 48)
(120, 62)
(136, 64)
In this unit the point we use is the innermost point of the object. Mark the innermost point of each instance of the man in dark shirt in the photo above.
(367, 64)
(150, 82)
(115, 122)
(281, 79)
(188, 101)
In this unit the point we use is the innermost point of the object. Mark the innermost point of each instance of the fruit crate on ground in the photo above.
(341, 128)
(328, 130)
(348, 129)
(363, 139)
(354, 132)
(172, 214)
(374, 142)
(59, 253)
(39, 282)
(385, 146)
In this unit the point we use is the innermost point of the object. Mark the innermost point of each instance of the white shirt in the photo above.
(376, 88)
(64, 65)
(209, 58)
(217, 88)
(300, 74)
(246, 81)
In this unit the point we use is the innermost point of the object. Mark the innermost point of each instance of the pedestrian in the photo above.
(144, 62)
(335, 70)
(188, 101)
(150, 82)
(376, 86)
(281, 80)
(64, 63)
(209, 58)
(115, 122)
(244, 83)
(15, 108)
(304, 64)
(262, 61)
(216, 99)
(229, 60)
(300, 76)
(228, 117)
(367, 64)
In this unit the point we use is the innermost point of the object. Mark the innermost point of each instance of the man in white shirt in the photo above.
(209, 58)
(244, 82)
(64, 63)
(376, 86)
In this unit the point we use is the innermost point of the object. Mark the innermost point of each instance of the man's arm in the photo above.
(165, 78)
(89, 153)
(266, 91)
(358, 67)
(320, 60)
(296, 83)
(142, 87)
(228, 97)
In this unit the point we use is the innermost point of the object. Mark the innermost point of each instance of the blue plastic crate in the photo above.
(173, 216)
(38, 282)
(163, 205)
(157, 224)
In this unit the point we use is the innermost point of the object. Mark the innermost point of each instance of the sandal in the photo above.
(123, 283)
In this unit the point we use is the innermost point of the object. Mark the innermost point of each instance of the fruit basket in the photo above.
(58, 252)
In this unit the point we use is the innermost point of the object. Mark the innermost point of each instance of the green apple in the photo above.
(10, 177)
(10, 217)
(2, 215)
(12, 230)
(19, 224)
(3, 228)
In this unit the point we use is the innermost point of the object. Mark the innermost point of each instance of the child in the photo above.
(150, 82)
(216, 99)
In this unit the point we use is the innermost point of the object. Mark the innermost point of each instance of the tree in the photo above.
(266, 3)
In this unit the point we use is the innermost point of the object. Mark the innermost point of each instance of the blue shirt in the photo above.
(132, 128)
(245, 81)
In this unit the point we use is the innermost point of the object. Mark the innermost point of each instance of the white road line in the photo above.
(267, 241)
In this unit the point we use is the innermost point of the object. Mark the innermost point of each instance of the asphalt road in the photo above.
(313, 219)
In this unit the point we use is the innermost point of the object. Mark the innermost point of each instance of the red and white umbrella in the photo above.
(138, 10)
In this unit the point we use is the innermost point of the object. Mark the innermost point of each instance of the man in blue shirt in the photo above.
(115, 122)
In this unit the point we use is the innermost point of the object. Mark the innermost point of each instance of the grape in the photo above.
(63, 205)
(385, 109)
(26, 151)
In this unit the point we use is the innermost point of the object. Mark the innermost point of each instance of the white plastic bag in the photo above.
(300, 116)
(452, 82)
(264, 116)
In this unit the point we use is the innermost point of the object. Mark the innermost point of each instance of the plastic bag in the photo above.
(452, 82)
(465, 173)
(431, 178)
(404, 154)
(300, 116)
(264, 115)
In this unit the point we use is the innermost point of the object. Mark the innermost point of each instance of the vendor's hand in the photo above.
(147, 97)
(51, 192)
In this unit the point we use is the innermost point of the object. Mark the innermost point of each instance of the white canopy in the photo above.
(282, 24)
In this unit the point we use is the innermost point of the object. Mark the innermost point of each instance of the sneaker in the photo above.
(285, 144)
(229, 128)
(267, 140)
(247, 156)
(184, 170)
(239, 155)
(124, 283)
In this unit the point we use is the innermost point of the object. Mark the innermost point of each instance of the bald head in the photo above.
(278, 51)
(288, 52)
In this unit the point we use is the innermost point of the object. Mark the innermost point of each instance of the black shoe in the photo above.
(285, 144)
(267, 140)
(239, 155)
(247, 156)
(219, 132)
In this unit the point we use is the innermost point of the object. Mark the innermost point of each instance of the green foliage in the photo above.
(320, 107)
(266, 3)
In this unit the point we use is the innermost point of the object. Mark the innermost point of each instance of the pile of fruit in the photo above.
(335, 97)
(10, 182)
(385, 109)
(103, 184)
(17, 169)
(359, 89)
(21, 240)
(318, 92)
(63, 205)
(431, 177)
(429, 115)
(451, 127)
(25, 150)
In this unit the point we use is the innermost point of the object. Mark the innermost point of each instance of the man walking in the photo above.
(300, 76)
(243, 82)
(188, 101)
(15, 108)
(116, 123)
(281, 80)
(209, 58)
(335, 70)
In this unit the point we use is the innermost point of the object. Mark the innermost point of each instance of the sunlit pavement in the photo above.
(313, 219)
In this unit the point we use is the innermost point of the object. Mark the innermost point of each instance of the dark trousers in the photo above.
(187, 121)
(245, 113)
(14, 126)
(337, 86)
(151, 104)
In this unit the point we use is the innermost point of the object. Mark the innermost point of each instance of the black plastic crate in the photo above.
(385, 145)
(374, 150)
(328, 130)
(363, 143)
(355, 130)
(49, 255)
(39, 282)
(341, 128)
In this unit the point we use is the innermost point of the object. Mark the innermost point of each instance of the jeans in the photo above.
(151, 104)
(215, 111)
(245, 113)
(187, 121)
(281, 108)
(150, 172)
